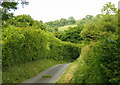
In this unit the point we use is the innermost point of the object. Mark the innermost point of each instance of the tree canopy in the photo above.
(8, 5)
(109, 9)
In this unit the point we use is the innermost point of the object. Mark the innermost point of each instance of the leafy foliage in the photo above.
(23, 45)
(86, 19)
(100, 57)
(70, 21)
(109, 9)
(24, 21)
(100, 63)
(71, 35)
(53, 25)
(103, 26)
(10, 5)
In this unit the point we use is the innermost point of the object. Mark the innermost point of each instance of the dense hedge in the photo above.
(71, 35)
(100, 59)
(95, 30)
(23, 45)
(100, 63)
(24, 21)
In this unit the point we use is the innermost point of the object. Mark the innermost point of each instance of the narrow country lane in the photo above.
(53, 74)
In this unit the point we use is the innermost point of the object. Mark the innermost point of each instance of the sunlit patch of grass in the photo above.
(65, 27)
(67, 76)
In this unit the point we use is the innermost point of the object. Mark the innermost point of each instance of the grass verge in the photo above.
(83, 70)
(67, 76)
(21, 72)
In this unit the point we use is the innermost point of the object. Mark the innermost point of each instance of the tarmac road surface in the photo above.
(50, 75)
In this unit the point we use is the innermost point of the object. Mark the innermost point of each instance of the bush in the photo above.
(99, 63)
(72, 34)
(24, 21)
(23, 45)
(98, 28)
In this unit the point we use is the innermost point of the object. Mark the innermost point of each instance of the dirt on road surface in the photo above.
(50, 75)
